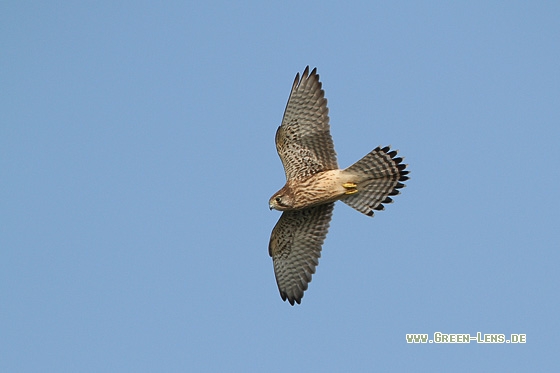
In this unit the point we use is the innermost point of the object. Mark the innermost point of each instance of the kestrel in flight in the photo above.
(314, 182)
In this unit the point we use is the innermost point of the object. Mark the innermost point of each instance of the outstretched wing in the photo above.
(303, 140)
(295, 248)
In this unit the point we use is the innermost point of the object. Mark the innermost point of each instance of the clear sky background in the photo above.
(137, 159)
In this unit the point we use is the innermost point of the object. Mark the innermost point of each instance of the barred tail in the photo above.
(379, 176)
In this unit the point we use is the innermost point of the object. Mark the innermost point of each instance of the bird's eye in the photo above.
(278, 199)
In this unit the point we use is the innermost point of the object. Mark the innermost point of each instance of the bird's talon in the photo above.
(351, 188)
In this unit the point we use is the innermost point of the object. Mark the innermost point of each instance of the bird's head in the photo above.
(281, 201)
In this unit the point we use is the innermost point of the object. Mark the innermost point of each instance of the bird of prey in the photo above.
(314, 182)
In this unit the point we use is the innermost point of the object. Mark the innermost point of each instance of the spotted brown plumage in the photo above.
(314, 182)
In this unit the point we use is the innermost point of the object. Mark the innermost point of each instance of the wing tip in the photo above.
(291, 299)
(306, 75)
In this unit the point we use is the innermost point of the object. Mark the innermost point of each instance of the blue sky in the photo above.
(137, 158)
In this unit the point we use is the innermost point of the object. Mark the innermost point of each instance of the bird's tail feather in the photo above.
(380, 175)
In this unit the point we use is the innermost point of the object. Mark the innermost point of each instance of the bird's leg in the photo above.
(350, 188)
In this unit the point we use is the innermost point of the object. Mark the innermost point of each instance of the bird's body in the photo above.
(323, 187)
(314, 182)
